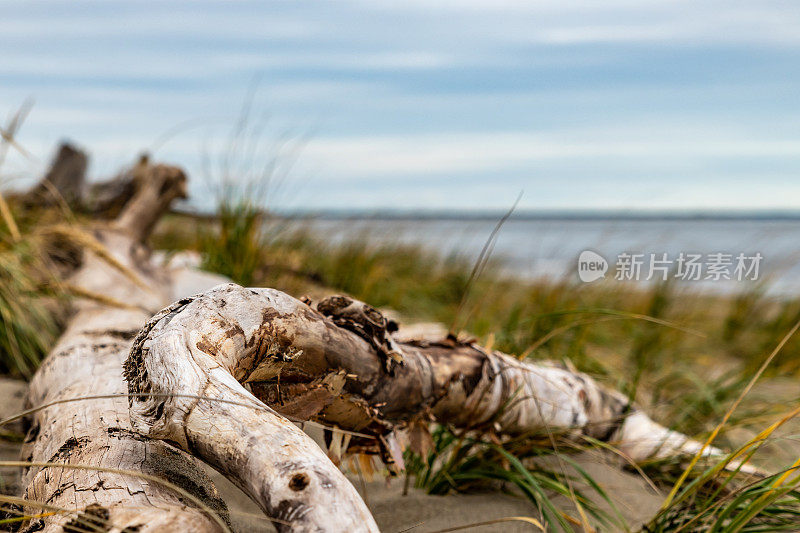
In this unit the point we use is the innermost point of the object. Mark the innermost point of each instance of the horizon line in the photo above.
(527, 213)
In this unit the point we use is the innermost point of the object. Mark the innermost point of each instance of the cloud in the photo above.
(616, 21)
(441, 154)
(432, 102)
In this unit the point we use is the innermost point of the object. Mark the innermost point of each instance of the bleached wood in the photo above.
(198, 369)
(267, 340)
(191, 351)
(87, 361)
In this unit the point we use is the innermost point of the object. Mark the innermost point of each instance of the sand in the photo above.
(417, 512)
(422, 513)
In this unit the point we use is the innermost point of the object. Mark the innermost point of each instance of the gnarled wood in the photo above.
(181, 377)
(64, 182)
(211, 374)
(343, 369)
(86, 362)
(107, 198)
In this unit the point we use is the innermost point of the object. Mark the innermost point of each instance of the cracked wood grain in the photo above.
(87, 361)
(331, 368)
(193, 351)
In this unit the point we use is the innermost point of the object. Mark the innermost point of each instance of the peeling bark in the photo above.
(215, 376)
(184, 393)
(344, 369)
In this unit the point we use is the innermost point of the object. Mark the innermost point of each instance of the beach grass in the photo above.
(685, 357)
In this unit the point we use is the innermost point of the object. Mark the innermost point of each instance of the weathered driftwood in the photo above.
(211, 373)
(339, 364)
(186, 395)
(65, 184)
(107, 198)
(97, 433)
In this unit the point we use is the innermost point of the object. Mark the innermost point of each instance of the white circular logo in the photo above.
(591, 266)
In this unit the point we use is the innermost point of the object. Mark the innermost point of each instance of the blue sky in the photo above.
(422, 104)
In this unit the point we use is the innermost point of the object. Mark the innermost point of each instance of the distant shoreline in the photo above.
(564, 215)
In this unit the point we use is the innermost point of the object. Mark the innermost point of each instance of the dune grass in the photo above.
(27, 326)
(685, 357)
(28, 287)
(233, 249)
(467, 462)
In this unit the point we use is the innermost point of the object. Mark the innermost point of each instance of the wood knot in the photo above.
(299, 482)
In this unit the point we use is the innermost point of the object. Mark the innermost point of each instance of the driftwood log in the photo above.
(219, 375)
(65, 181)
(65, 184)
(97, 433)
(337, 363)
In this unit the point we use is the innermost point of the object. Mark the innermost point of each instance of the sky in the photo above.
(641, 104)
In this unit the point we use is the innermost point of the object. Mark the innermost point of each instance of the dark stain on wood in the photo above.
(94, 517)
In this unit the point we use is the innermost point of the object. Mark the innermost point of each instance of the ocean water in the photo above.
(550, 247)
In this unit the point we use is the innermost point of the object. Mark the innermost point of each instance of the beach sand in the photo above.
(419, 512)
